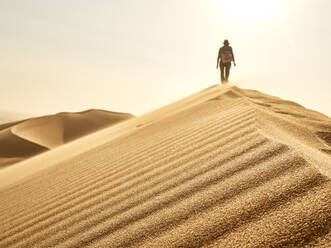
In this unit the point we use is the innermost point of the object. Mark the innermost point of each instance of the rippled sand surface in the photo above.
(225, 167)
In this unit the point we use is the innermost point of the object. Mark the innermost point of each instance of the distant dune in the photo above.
(225, 167)
(22, 139)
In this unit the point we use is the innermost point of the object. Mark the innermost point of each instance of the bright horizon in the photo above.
(137, 56)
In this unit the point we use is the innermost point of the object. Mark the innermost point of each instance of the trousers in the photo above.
(225, 71)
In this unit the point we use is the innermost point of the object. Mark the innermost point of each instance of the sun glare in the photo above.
(252, 9)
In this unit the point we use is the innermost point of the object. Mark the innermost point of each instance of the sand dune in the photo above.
(225, 167)
(22, 139)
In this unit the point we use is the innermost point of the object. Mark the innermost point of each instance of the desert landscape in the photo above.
(22, 139)
(224, 167)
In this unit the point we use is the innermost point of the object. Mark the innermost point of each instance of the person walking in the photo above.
(224, 59)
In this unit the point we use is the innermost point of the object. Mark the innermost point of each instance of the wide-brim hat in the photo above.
(226, 42)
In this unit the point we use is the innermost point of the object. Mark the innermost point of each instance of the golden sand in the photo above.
(22, 139)
(225, 167)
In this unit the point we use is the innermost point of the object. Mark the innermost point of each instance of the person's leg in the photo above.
(222, 72)
(227, 73)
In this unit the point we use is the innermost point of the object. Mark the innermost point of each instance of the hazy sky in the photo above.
(137, 55)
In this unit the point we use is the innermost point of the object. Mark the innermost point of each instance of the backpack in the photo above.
(226, 56)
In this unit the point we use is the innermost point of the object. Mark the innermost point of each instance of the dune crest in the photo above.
(225, 167)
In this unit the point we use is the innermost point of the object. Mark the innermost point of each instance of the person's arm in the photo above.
(218, 59)
(234, 61)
